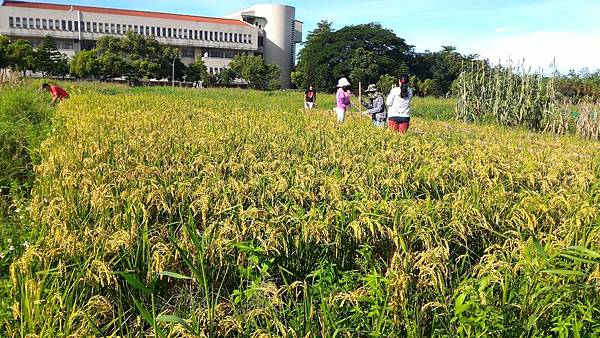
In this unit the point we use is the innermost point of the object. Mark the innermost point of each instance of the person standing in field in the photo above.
(310, 98)
(58, 94)
(398, 103)
(342, 99)
(376, 106)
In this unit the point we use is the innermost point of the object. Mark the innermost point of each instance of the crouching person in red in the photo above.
(398, 103)
(58, 94)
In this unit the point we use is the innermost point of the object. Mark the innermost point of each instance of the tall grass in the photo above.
(515, 96)
(168, 213)
(24, 123)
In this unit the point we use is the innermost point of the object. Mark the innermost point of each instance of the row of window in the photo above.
(121, 29)
(215, 71)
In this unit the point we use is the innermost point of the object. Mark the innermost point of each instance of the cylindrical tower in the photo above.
(280, 44)
(281, 33)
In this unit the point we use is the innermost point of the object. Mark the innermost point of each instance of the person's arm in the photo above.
(55, 98)
(390, 99)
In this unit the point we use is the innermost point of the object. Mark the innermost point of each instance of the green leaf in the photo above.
(585, 251)
(175, 320)
(579, 259)
(563, 272)
(133, 281)
(539, 248)
(460, 307)
(173, 275)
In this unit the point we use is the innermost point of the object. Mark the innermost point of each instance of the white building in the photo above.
(281, 34)
(216, 40)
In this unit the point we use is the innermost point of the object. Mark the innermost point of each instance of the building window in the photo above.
(188, 52)
(211, 70)
(95, 27)
(44, 24)
(24, 22)
(106, 28)
(88, 27)
(164, 32)
(211, 36)
(11, 22)
(76, 25)
(229, 54)
(220, 36)
(64, 44)
(261, 41)
(169, 33)
(157, 31)
(153, 31)
(147, 30)
(215, 53)
(69, 25)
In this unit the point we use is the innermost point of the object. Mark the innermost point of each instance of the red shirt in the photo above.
(56, 91)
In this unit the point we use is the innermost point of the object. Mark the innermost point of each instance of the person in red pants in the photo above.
(398, 103)
(58, 94)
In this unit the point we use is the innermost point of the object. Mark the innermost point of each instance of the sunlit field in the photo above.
(161, 212)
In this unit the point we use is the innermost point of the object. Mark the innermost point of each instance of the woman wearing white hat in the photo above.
(342, 98)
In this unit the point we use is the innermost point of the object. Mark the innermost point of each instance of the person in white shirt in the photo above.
(398, 103)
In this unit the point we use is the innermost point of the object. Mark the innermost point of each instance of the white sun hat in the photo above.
(343, 82)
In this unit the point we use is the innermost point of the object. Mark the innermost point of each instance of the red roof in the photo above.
(156, 15)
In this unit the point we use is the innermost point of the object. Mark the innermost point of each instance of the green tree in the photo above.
(226, 77)
(197, 71)
(328, 55)
(4, 44)
(386, 83)
(362, 67)
(48, 59)
(85, 64)
(252, 69)
(273, 75)
(61, 66)
(298, 79)
(137, 57)
(21, 56)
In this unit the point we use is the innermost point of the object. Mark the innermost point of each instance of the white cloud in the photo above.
(501, 29)
(572, 50)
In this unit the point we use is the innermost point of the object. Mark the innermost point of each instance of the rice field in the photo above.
(227, 213)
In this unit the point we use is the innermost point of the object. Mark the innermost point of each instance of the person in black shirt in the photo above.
(310, 98)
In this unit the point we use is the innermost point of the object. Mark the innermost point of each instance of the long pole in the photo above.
(173, 74)
(359, 96)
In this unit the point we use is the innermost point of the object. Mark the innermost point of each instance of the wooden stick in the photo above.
(359, 96)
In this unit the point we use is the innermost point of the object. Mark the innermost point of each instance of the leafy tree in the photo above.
(298, 79)
(4, 43)
(226, 77)
(85, 64)
(137, 57)
(61, 66)
(362, 67)
(21, 56)
(273, 74)
(386, 83)
(197, 71)
(328, 55)
(48, 59)
(252, 69)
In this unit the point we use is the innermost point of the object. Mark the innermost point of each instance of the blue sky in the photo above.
(536, 30)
